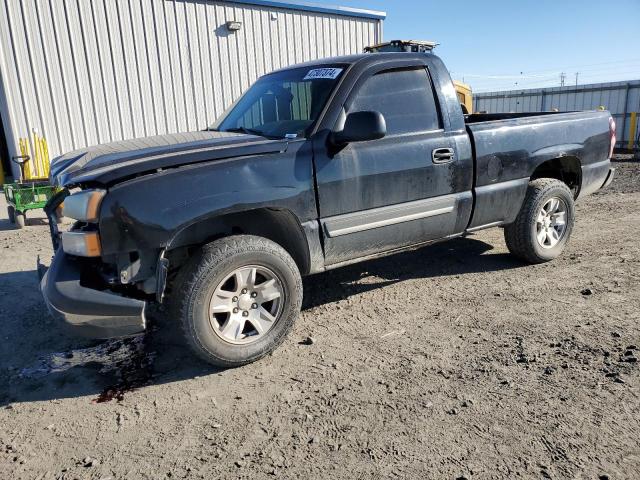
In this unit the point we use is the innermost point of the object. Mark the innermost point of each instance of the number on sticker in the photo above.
(323, 73)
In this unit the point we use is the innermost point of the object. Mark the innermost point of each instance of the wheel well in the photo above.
(279, 226)
(565, 169)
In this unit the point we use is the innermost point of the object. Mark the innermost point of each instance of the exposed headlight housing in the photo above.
(83, 206)
(82, 244)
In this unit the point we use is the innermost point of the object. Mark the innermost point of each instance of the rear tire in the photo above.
(11, 211)
(543, 226)
(20, 219)
(220, 297)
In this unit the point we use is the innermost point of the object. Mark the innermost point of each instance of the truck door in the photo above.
(407, 188)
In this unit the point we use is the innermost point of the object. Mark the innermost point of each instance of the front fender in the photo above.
(149, 211)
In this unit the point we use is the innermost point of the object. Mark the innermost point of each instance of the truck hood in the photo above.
(112, 162)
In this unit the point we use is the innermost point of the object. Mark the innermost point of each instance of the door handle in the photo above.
(443, 155)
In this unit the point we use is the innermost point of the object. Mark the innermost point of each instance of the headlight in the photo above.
(83, 244)
(83, 206)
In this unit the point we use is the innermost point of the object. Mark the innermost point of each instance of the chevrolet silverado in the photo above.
(316, 166)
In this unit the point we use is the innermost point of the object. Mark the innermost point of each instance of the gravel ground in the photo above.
(452, 361)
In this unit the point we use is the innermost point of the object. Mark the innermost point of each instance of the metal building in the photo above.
(622, 99)
(81, 72)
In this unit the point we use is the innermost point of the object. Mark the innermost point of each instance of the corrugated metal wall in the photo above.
(85, 72)
(620, 98)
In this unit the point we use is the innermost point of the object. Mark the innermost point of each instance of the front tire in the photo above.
(11, 212)
(238, 299)
(545, 222)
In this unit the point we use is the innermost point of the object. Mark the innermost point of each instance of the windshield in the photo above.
(282, 104)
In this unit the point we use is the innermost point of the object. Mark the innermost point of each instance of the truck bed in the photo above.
(490, 117)
(509, 146)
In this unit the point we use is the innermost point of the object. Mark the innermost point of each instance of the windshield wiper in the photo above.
(248, 131)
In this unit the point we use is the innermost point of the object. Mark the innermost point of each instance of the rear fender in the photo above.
(563, 167)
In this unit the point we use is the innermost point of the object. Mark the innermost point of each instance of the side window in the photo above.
(404, 97)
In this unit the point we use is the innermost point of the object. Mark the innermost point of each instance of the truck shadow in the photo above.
(455, 257)
(39, 362)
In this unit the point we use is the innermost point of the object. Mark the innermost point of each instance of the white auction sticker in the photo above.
(322, 73)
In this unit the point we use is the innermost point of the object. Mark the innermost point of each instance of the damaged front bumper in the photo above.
(86, 311)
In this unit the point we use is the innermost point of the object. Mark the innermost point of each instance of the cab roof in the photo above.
(361, 58)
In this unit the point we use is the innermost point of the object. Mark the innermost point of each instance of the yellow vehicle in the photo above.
(464, 96)
(462, 89)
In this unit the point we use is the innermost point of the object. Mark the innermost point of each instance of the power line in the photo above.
(622, 72)
(606, 71)
(499, 77)
(631, 60)
(610, 75)
(558, 69)
(612, 70)
(547, 83)
(539, 84)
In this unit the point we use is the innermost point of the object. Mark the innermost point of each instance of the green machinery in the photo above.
(22, 197)
(33, 191)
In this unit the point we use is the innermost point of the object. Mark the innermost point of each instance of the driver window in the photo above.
(405, 98)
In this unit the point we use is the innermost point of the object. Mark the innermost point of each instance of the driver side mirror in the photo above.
(360, 127)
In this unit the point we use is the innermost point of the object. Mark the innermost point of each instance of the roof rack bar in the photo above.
(419, 46)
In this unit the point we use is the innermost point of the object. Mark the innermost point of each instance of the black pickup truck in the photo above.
(316, 166)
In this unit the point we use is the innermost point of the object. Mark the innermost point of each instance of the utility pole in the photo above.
(577, 73)
(562, 77)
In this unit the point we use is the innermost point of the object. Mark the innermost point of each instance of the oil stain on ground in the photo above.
(126, 364)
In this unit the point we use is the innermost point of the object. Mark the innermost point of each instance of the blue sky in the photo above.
(495, 44)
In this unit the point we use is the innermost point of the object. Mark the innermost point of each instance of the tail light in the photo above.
(612, 132)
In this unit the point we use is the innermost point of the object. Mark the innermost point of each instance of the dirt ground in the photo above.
(453, 361)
